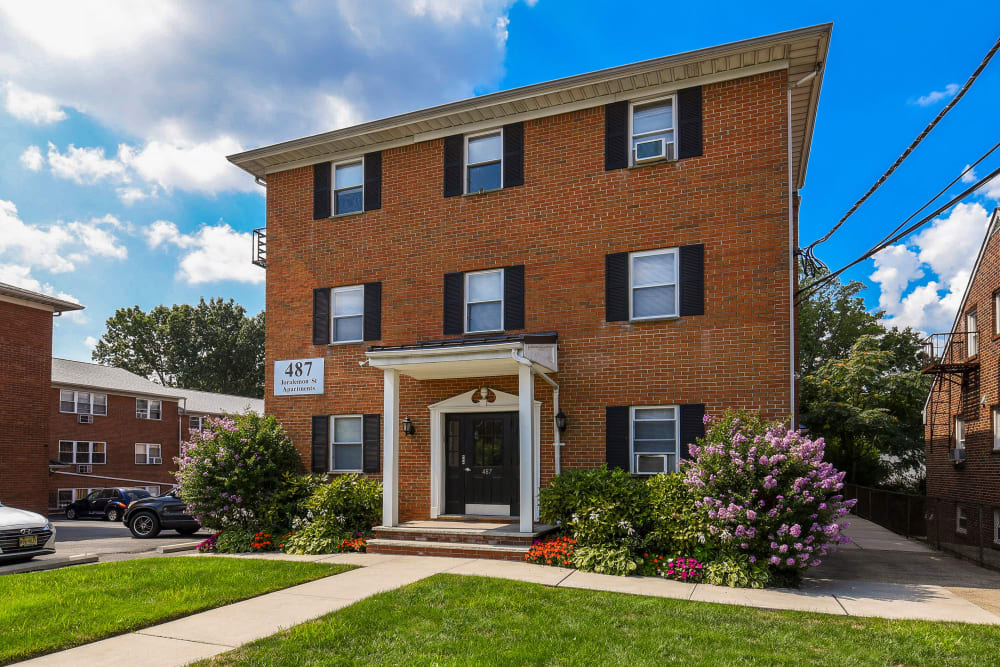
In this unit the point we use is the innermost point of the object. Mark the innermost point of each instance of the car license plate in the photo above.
(27, 541)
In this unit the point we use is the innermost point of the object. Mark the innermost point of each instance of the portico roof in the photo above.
(481, 356)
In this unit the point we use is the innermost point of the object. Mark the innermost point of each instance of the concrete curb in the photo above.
(174, 548)
(54, 564)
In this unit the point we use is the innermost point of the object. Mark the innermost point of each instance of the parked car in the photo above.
(108, 504)
(148, 516)
(24, 535)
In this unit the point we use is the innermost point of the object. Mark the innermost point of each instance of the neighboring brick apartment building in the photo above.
(110, 427)
(615, 249)
(962, 414)
(25, 367)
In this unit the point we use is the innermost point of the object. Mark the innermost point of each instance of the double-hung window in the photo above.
(77, 451)
(349, 187)
(972, 333)
(346, 443)
(652, 131)
(484, 301)
(995, 414)
(959, 433)
(654, 439)
(961, 520)
(653, 284)
(83, 402)
(148, 409)
(484, 161)
(348, 314)
(996, 313)
(147, 454)
(197, 423)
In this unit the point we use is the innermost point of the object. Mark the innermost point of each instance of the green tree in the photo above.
(213, 346)
(830, 322)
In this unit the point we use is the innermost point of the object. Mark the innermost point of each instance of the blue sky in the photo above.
(115, 119)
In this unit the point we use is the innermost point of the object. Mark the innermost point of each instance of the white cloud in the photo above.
(213, 253)
(32, 107)
(936, 96)
(990, 189)
(31, 158)
(85, 165)
(198, 167)
(90, 342)
(947, 249)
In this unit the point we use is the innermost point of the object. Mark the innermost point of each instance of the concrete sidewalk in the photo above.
(225, 628)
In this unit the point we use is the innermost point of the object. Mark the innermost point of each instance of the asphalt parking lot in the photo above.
(109, 541)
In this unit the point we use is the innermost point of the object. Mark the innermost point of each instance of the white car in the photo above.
(24, 535)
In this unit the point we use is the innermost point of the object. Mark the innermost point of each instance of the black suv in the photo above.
(109, 504)
(146, 517)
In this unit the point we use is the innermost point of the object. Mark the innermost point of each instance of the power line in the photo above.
(808, 253)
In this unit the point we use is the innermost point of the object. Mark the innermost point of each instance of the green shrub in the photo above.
(737, 572)
(345, 508)
(676, 524)
(574, 491)
(233, 541)
(605, 560)
(288, 502)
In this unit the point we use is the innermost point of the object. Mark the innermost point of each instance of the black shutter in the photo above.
(373, 312)
(513, 155)
(616, 287)
(454, 147)
(689, 122)
(616, 436)
(615, 135)
(692, 426)
(321, 443)
(513, 297)
(321, 190)
(373, 181)
(454, 321)
(321, 316)
(692, 279)
(371, 437)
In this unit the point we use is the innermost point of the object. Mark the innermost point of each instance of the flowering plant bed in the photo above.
(680, 568)
(554, 551)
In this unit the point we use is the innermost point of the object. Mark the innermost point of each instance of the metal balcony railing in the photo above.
(258, 254)
(949, 351)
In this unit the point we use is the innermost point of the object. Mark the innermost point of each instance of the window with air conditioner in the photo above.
(652, 131)
(654, 437)
(83, 402)
(148, 409)
(147, 454)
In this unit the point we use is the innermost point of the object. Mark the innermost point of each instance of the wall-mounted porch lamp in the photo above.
(561, 421)
(408, 426)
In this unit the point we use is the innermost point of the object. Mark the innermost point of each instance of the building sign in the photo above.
(293, 377)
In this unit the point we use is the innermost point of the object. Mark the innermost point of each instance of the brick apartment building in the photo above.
(962, 414)
(25, 366)
(562, 275)
(110, 427)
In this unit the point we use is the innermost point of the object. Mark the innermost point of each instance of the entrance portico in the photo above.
(524, 356)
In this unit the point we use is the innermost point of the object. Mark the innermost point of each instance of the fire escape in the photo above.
(258, 253)
(951, 359)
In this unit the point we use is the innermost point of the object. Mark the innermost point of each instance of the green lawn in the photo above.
(469, 620)
(41, 612)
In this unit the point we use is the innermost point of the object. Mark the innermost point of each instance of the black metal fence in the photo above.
(968, 530)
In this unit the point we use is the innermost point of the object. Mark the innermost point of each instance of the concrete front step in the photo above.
(456, 536)
(406, 547)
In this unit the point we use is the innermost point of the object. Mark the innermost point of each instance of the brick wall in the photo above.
(25, 377)
(121, 430)
(560, 224)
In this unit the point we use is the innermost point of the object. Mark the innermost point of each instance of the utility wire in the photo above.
(808, 252)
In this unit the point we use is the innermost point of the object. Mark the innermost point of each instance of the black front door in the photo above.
(482, 463)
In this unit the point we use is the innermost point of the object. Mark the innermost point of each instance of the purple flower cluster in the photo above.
(767, 491)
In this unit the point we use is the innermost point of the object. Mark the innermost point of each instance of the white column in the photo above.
(390, 453)
(526, 440)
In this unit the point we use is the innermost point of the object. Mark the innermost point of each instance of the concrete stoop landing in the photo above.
(495, 540)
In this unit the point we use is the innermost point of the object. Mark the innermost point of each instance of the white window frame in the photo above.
(76, 399)
(334, 317)
(996, 313)
(333, 185)
(90, 452)
(146, 453)
(631, 137)
(972, 333)
(960, 433)
(467, 301)
(465, 159)
(201, 419)
(632, 454)
(996, 526)
(677, 288)
(333, 443)
(960, 516)
(995, 416)
(147, 412)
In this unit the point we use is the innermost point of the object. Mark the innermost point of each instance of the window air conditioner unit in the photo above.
(84, 468)
(653, 149)
(650, 463)
(154, 461)
(85, 419)
(958, 455)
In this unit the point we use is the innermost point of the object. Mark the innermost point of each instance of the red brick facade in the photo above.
(26, 363)
(560, 224)
(975, 483)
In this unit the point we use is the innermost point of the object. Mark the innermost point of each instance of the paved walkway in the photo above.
(219, 630)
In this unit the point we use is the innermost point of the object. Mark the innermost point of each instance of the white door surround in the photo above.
(471, 401)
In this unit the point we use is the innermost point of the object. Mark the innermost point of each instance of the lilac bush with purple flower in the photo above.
(766, 492)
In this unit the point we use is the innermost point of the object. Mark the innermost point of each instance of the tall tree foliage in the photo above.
(213, 346)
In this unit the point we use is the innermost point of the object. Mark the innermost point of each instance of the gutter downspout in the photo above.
(556, 438)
